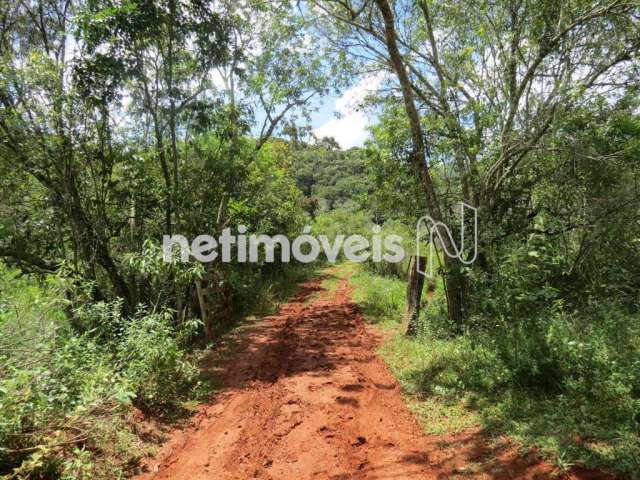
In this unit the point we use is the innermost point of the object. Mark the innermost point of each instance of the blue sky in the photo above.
(350, 127)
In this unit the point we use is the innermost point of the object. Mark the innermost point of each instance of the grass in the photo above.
(380, 299)
(429, 395)
(453, 384)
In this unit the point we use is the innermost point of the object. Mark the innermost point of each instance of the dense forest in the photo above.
(124, 121)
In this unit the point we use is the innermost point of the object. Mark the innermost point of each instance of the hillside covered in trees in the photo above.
(330, 178)
(124, 123)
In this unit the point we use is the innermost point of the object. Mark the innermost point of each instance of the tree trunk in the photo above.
(414, 294)
(419, 157)
(455, 287)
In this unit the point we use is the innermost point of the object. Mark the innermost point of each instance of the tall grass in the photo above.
(590, 417)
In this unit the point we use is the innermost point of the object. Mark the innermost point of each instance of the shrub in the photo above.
(153, 362)
(65, 392)
(56, 387)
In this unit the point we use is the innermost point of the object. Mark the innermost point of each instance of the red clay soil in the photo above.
(306, 397)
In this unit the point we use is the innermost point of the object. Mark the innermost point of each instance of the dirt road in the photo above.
(306, 397)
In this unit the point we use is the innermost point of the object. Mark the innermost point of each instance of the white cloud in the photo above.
(350, 127)
(349, 131)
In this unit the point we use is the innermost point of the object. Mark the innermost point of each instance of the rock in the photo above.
(360, 440)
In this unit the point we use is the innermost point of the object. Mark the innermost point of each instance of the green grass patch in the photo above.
(455, 383)
(381, 299)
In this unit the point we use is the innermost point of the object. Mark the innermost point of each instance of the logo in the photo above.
(440, 231)
(245, 247)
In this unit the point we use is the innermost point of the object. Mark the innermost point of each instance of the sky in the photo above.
(342, 117)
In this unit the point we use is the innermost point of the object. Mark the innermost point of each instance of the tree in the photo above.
(51, 134)
(161, 54)
(277, 65)
(484, 84)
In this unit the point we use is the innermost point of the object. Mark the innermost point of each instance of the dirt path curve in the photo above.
(306, 397)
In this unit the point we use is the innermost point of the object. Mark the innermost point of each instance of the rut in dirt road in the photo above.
(306, 397)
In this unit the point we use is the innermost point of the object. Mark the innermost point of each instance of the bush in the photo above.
(153, 362)
(65, 392)
(57, 388)
(599, 361)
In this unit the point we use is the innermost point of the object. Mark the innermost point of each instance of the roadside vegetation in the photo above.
(587, 416)
(92, 403)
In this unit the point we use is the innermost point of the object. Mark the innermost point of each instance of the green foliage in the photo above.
(153, 362)
(396, 194)
(64, 395)
(566, 383)
(341, 221)
(334, 178)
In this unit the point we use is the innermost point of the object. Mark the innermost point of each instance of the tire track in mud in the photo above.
(306, 397)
